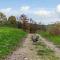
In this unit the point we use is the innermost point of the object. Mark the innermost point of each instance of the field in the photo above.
(54, 38)
(9, 39)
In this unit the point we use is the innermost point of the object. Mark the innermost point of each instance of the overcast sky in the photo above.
(44, 11)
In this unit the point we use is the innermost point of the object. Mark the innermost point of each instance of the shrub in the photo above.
(55, 29)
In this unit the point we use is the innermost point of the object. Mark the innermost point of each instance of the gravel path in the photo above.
(26, 52)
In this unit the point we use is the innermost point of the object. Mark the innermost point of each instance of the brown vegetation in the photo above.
(54, 29)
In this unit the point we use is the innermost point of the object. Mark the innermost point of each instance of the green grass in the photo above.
(9, 39)
(54, 38)
(44, 52)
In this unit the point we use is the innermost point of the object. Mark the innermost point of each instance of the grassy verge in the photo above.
(44, 52)
(54, 38)
(9, 38)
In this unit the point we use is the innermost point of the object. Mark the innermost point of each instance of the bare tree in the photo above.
(24, 20)
(33, 26)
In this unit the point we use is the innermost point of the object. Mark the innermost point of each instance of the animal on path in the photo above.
(35, 38)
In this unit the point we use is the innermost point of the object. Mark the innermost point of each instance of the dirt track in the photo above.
(26, 52)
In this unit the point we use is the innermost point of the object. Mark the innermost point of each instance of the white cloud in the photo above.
(58, 8)
(6, 11)
(24, 8)
(42, 13)
(9, 11)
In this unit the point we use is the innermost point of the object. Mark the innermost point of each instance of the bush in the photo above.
(54, 29)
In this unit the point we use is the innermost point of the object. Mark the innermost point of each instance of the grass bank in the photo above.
(44, 52)
(54, 38)
(9, 39)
